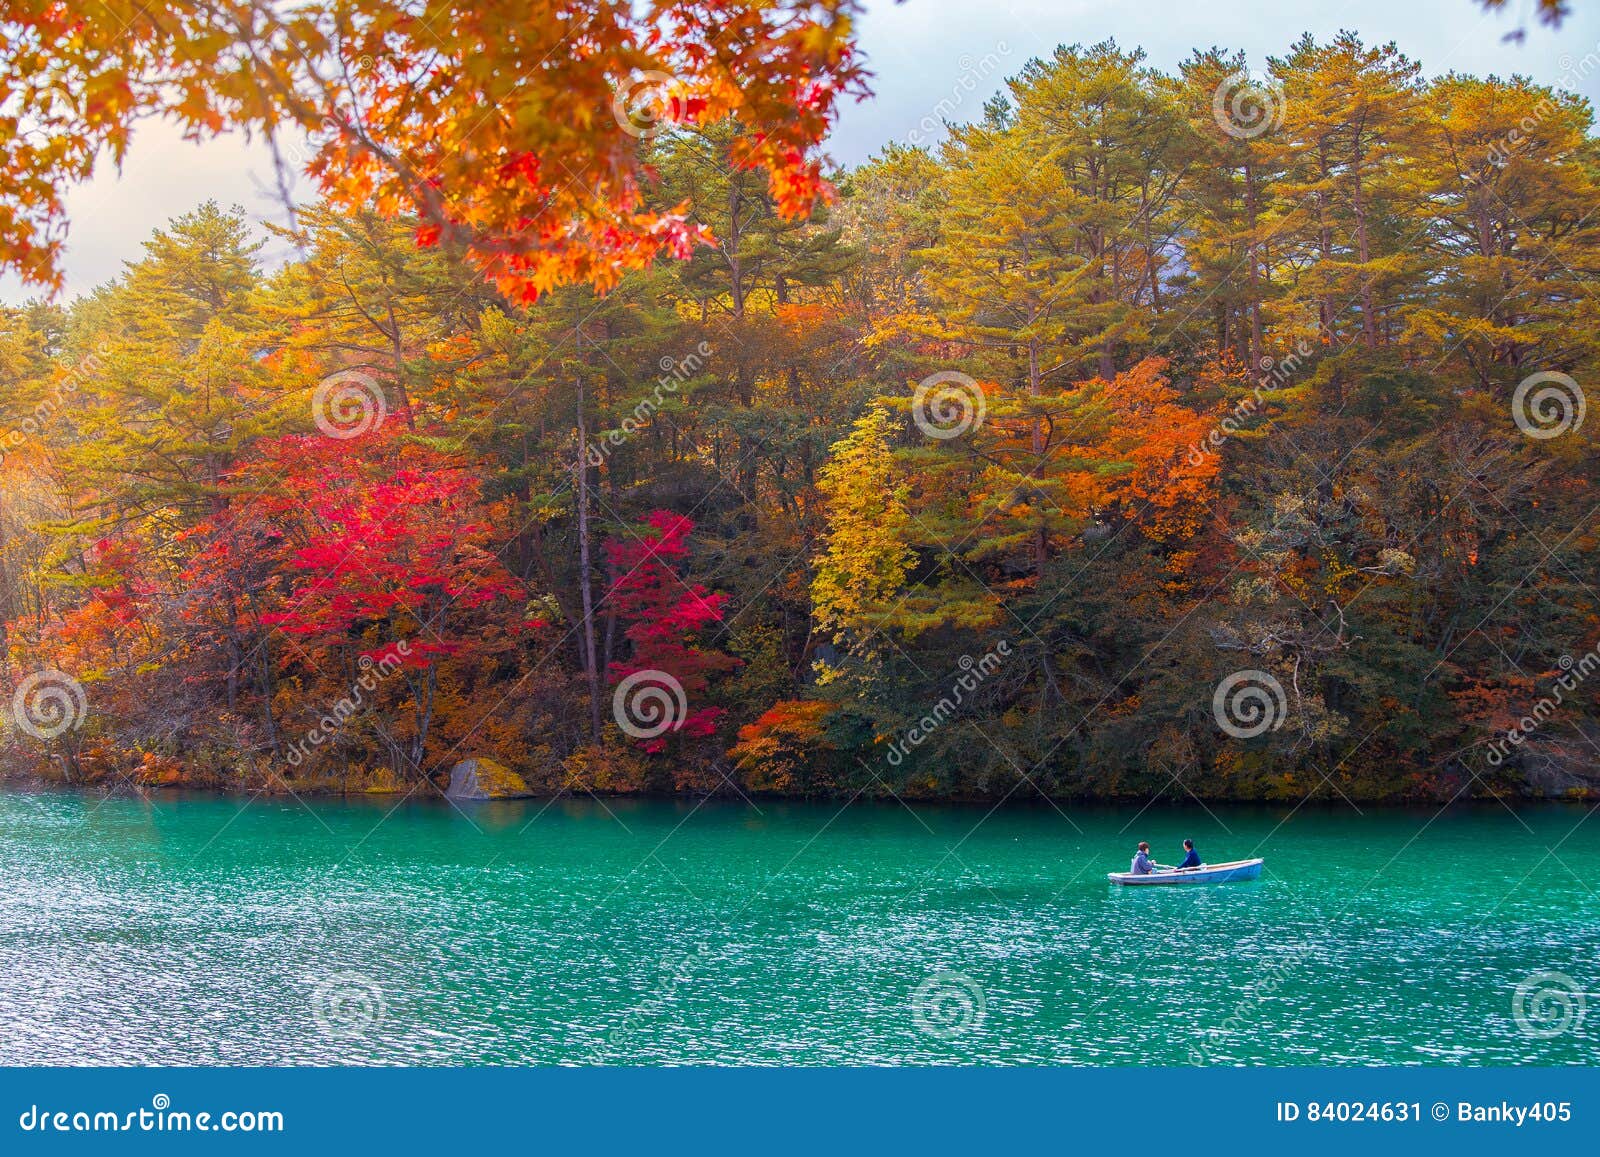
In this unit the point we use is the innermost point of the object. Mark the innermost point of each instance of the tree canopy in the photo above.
(1161, 431)
(509, 132)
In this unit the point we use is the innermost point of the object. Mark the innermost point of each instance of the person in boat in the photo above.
(1142, 864)
(1191, 858)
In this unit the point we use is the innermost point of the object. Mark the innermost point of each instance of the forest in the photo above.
(1156, 433)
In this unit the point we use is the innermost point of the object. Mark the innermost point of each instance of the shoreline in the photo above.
(34, 784)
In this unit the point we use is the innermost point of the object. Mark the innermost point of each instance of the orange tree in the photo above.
(511, 132)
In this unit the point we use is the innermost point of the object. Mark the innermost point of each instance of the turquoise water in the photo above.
(209, 930)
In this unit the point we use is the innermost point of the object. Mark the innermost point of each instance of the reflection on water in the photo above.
(207, 930)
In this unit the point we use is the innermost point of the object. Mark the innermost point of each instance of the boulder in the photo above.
(485, 779)
(1557, 768)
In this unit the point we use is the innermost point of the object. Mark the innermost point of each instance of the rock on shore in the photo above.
(485, 779)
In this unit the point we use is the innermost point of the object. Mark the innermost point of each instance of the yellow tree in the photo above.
(865, 559)
(1514, 239)
(1351, 116)
(1232, 210)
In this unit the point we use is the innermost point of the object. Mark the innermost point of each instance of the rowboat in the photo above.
(1204, 874)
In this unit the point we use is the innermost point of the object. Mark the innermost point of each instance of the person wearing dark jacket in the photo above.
(1191, 858)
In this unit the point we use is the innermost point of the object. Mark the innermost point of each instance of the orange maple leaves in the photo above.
(494, 126)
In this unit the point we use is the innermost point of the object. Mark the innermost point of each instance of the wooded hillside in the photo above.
(1183, 433)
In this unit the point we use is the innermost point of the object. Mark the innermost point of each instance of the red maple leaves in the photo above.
(384, 541)
(664, 615)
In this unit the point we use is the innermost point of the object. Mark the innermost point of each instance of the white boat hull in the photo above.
(1204, 874)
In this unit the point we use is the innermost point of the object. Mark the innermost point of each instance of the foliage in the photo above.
(509, 133)
(1233, 403)
(663, 614)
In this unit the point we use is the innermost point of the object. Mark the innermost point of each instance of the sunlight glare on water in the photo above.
(208, 930)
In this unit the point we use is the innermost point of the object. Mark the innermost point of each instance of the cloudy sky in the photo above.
(925, 54)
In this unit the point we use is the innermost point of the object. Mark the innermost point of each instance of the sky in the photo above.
(927, 56)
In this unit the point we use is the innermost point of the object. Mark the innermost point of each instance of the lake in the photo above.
(213, 930)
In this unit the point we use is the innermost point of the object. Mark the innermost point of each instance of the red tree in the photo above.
(664, 613)
(387, 549)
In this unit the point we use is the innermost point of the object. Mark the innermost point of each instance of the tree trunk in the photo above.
(1253, 259)
(1041, 542)
(593, 668)
(1324, 241)
(1369, 323)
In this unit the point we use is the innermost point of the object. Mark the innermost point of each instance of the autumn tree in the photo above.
(389, 558)
(865, 559)
(1349, 111)
(669, 670)
(487, 126)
